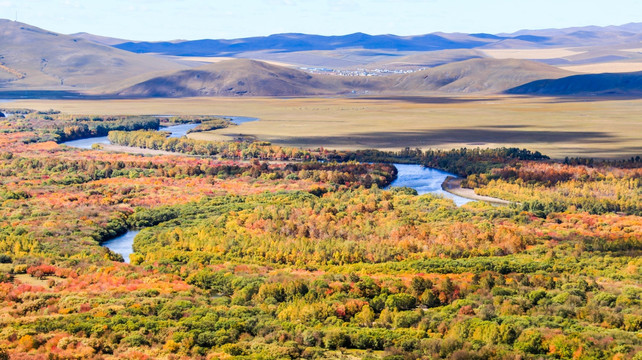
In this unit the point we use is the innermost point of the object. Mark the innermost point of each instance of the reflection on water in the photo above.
(425, 180)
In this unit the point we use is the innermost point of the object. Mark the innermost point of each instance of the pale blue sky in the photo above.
(198, 19)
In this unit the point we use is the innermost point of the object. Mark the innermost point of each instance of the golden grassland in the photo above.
(530, 54)
(607, 67)
(604, 128)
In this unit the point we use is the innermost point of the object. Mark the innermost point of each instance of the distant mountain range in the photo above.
(585, 36)
(36, 62)
(303, 42)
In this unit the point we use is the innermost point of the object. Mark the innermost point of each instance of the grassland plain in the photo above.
(558, 127)
(610, 67)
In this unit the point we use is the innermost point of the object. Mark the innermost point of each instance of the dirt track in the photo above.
(453, 186)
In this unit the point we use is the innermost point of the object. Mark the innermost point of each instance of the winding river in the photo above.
(423, 180)
(123, 244)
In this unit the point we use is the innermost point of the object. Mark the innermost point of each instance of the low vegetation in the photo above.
(298, 259)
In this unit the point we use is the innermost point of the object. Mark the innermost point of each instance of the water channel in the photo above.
(175, 131)
(423, 180)
(123, 244)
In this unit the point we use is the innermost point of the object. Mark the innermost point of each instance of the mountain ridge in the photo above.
(291, 42)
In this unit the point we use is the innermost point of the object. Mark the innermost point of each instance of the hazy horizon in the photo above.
(193, 19)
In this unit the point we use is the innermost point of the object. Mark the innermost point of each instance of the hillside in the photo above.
(83, 64)
(240, 77)
(586, 35)
(33, 58)
(478, 75)
(578, 46)
(99, 39)
(616, 84)
(427, 59)
(246, 77)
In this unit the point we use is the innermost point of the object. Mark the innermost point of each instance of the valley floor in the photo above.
(558, 127)
(257, 251)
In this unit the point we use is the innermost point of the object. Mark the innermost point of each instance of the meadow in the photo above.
(558, 127)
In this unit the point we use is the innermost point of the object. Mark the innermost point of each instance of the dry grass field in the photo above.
(607, 67)
(605, 128)
(548, 53)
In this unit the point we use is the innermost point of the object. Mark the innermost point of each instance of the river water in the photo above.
(122, 245)
(5, 101)
(425, 181)
(176, 131)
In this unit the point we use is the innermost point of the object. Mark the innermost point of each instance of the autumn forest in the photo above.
(250, 250)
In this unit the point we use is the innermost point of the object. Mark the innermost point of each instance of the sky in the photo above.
(199, 19)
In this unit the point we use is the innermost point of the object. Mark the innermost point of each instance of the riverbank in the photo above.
(425, 180)
(453, 186)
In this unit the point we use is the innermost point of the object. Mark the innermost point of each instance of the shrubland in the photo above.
(239, 257)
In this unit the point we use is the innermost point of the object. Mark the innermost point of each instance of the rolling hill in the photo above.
(586, 35)
(478, 75)
(240, 77)
(427, 59)
(609, 84)
(580, 49)
(247, 77)
(33, 58)
(83, 64)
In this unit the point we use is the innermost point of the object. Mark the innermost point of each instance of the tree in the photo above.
(529, 341)
(419, 285)
(401, 302)
(365, 317)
